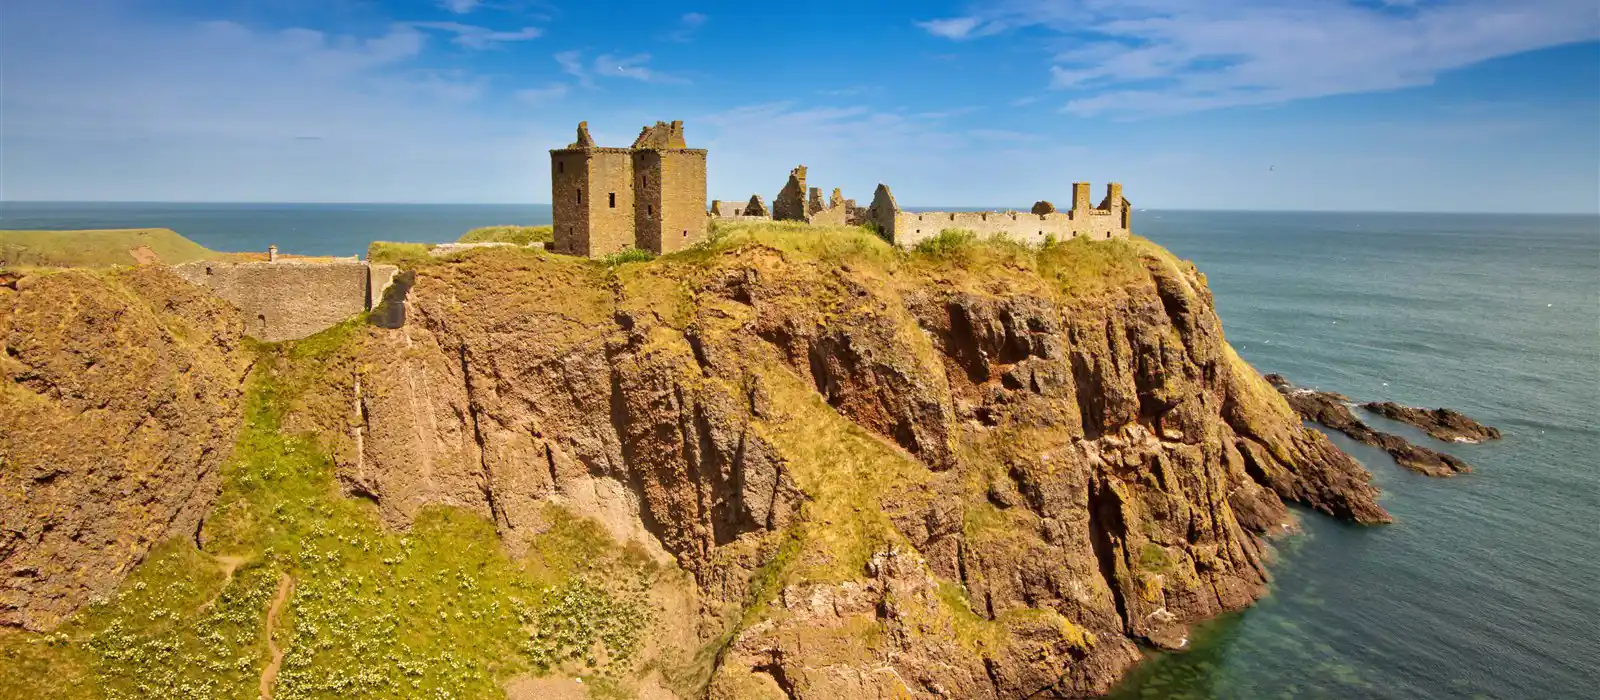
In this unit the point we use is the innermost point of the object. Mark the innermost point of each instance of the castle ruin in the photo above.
(650, 196)
(1113, 218)
(800, 203)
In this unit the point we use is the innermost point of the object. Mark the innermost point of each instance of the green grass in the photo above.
(95, 248)
(439, 611)
(520, 235)
(406, 255)
(628, 255)
(947, 242)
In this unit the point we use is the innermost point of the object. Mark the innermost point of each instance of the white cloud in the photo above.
(460, 7)
(613, 66)
(961, 27)
(162, 110)
(687, 28)
(1144, 56)
(474, 37)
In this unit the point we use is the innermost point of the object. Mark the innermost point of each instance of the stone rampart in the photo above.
(1110, 220)
(288, 299)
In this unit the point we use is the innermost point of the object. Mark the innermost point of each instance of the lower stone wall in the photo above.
(910, 228)
(289, 300)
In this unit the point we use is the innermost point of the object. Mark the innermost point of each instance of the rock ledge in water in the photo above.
(1333, 411)
(1441, 423)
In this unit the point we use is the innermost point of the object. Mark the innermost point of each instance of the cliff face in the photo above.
(119, 399)
(948, 476)
(983, 472)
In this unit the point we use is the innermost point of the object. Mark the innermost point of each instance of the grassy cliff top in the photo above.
(98, 248)
(520, 235)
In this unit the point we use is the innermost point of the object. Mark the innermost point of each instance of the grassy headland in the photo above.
(98, 248)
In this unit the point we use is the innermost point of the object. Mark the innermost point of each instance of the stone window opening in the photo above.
(208, 269)
(561, 166)
(263, 319)
(613, 200)
(644, 180)
(650, 209)
(580, 196)
(686, 233)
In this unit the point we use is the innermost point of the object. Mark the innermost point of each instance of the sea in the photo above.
(1486, 586)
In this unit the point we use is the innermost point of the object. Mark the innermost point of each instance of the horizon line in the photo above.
(905, 207)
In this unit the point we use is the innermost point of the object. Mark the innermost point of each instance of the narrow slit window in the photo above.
(561, 167)
(580, 196)
(613, 200)
(650, 209)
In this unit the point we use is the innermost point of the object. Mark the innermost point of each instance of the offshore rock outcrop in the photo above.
(119, 399)
(1442, 424)
(1333, 411)
(1005, 486)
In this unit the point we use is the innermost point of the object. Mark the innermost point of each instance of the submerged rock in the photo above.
(1441, 423)
(1333, 411)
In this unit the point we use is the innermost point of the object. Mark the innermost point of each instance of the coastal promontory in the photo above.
(789, 462)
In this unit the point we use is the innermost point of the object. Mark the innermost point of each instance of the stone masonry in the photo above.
(651, 195)
(291, 299)
(1113, 218)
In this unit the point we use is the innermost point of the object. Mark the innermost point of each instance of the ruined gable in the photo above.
(756, 207)
(790, 205)
(584, 139)
(814, 201)
(662, 135)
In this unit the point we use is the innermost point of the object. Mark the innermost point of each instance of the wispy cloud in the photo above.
(475, 37)
(1160, 56)
(687, 28)
(607, 65)
(959, 28)
(460, 7)
(544, 95)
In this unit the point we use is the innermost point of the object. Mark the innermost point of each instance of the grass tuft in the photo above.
(519, 235)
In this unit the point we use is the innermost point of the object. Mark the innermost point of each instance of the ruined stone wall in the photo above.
(790, 205)
(683, 219)
(831, 216)
(726, 207)
(288, 300)
(906, 229)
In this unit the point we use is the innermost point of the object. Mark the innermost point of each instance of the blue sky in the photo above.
(1426, 105)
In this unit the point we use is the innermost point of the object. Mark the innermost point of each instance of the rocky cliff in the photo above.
(987, 471)
(987, 474)
(119, 399)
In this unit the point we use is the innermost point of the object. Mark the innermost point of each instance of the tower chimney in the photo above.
(272, 253)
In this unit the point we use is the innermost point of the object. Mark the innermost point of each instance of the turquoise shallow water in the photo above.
(1487, 586)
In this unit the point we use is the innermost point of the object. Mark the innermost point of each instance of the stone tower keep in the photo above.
(650, 196)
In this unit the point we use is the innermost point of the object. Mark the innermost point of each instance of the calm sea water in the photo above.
(301, 229)
(1487, 586)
